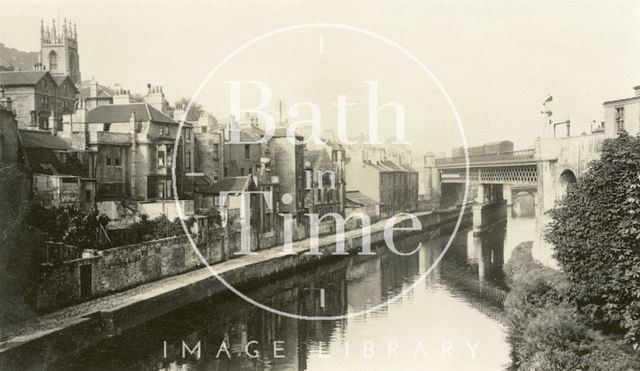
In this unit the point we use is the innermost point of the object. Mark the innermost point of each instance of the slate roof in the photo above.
(247, 136)
(39, 148)
(359, 199)
(59, 79)
(21, 78)
(101, 91)
(110, 113)
(390, 166)
(234, 184)
(41, 139)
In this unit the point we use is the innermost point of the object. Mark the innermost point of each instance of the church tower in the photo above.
(59, 50)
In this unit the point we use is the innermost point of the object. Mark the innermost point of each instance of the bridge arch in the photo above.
(524, 203)
(567, 178)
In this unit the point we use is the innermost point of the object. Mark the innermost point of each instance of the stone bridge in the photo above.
(528, 182)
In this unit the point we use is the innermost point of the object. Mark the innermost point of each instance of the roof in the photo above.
(110, 113)
(45, 161)
(21, 78)
(41, 139)
(40, 147)
(247, 136)
(359, 199)
(232, 184)
(59, 79)
(621, 100)
(390, 167)
(283, 132)
(101, 91)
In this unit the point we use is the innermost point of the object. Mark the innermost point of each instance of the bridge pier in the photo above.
(507, 194)
(489, 207)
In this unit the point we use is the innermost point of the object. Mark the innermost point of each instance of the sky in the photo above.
(496, 60)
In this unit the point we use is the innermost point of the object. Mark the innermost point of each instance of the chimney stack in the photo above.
(637, 90)
(5, 101)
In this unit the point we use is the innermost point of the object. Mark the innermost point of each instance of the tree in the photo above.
(595, 230)
(137, 97)
(194, 111)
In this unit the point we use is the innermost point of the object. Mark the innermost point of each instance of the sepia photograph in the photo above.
(294, 185)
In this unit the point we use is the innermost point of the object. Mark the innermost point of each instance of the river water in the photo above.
(451, 321)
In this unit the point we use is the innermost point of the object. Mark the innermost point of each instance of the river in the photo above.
(451, 321)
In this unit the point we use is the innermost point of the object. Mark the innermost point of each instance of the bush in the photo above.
(521, 262)
(595, 231)
(150, 229)
(553, 340)
(545, 329)
(69, 225)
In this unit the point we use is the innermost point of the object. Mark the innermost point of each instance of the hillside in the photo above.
(17, 59)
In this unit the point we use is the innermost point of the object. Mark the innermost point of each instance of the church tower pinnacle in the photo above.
(59, 49)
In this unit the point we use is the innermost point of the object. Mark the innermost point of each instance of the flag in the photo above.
(549, 99)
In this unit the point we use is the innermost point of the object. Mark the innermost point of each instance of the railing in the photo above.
(505, 156)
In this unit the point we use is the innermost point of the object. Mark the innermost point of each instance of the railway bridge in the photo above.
(498, 177)
(524, 182)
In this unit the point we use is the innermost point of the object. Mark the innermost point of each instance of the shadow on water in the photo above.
(469, 278)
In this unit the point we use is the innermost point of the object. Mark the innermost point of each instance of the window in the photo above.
(161, 158)
(187, 133)
(620, 118)
(169, 156)
(53, 61)
(108, 161)
(165, 130)
(116, 161)
(226, 171)
(215, 176)
(247, 151)
(215, 150)
(106, 127)
(169, 188)
(87, 195)
(160, 190)
(188, 164)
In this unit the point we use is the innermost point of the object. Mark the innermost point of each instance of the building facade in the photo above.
(325, 180)
(622, 115)
(39, 99)
(393, 186)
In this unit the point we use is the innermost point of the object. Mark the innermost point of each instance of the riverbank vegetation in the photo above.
(595, 231)
(585, 316)
(546, 330)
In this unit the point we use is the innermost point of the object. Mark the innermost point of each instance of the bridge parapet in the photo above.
(524, 155)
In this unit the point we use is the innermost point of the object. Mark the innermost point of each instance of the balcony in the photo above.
(106, 137)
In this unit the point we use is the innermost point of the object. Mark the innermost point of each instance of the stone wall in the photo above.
(556, 156)
(124, 267)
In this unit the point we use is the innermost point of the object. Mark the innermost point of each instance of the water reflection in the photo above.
(448, 322)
